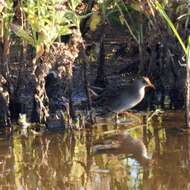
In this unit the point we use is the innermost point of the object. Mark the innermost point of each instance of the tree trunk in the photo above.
(83, 25)
(188, 87)
(4, 102)
(4, 93)
(100, 78)
(71, 112)
(86, 81)
(141, 48)
(41, 102)
(5, 56)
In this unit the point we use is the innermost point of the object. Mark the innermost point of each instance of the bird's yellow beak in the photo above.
(149, 82)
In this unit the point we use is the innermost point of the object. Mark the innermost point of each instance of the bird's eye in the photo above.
(144, 81)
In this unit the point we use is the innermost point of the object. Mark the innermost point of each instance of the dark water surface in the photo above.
(106, 158)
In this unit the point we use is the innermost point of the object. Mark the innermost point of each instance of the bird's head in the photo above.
(147, 83)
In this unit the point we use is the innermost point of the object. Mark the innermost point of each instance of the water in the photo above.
(107, 157)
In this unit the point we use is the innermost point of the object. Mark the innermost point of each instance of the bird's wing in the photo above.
(110, 94)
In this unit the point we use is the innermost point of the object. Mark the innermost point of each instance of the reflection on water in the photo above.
(120, 142)
(101, 159)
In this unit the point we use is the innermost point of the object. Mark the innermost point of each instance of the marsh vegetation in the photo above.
(59, 60)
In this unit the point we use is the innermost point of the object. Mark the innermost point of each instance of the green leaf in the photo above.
(85, 16)
(75, 3)
(50, 33)
(19, 31)
(171, 25)
(64, 31)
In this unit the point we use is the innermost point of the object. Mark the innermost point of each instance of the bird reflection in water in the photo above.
(123, 143)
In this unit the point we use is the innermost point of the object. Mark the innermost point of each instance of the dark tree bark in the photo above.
(71, 112)
(188, 89)
(41, 101)
(5, 56)
(4, 102)
(67, 53)
(86, 81)
(100, 78)
(83, 27)
(141, 47)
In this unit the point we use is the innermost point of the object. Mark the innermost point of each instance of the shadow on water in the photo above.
(144, 157)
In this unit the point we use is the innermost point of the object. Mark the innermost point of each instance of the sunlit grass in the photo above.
(170, 24)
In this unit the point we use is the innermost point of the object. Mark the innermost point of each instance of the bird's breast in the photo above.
(127, 101)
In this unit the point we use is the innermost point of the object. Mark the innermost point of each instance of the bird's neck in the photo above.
(142, 91)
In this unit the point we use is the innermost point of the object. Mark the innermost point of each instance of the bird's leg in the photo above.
(132, 116)
(116, 118)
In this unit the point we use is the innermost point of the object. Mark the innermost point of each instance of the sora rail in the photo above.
(117, 101)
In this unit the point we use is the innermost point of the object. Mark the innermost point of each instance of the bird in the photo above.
(120, 142)
(116, 101)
